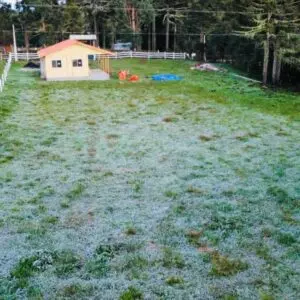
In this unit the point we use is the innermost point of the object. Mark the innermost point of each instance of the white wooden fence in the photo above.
(118, 55)
(26, 56)
(5, 72)
(151, 55)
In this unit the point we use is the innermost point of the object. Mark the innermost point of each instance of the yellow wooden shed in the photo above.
(69, 60)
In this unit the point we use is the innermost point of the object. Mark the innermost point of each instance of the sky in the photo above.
(9, 1)
(13, 2)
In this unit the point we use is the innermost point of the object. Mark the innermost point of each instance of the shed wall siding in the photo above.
(67, 56)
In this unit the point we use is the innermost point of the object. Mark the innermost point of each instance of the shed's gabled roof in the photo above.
(67, 43)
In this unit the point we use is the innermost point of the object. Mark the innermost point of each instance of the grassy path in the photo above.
(165, 190)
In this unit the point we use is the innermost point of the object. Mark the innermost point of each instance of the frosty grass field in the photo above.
(149, 190)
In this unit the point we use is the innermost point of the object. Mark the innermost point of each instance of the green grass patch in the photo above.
(76, 191)
(24, 270)
(174, 280)
(172, 259)
(285, 238)
(66, 262)
(132, 293)
(224, 266)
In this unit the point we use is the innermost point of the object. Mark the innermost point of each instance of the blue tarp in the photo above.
(166, 77)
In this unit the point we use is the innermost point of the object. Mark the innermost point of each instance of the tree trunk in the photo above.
(274, 67)
(204, 49)
(154, 33)
(96, 29)
(167, 31)
(175, 32)
(278, 68)
(113, 38)
(133, 19)
(266, 59)
(276, 64)
(103, 38)
(149, 38)
(26, 40)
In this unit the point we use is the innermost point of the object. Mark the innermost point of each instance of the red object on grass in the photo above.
(134, 78)
(123, 75)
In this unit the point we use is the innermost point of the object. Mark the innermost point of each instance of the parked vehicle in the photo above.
(122, 46)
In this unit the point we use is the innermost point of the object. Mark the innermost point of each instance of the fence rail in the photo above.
(151, 55)
(129, 54)
(5, 72)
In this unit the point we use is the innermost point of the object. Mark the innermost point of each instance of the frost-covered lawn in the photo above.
(1, 66)
(186, 190)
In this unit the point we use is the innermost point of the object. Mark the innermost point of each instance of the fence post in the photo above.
(27, 56)
(130, 54)
(173, 55)
(165, 55)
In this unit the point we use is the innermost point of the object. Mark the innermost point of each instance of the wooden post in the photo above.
(15, 44)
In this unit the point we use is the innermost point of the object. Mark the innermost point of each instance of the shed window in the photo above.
(56, 63)
(77, 63)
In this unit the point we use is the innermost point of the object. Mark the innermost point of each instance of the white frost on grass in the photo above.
(96, 161)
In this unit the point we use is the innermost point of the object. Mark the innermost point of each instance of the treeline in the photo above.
(259, 36)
